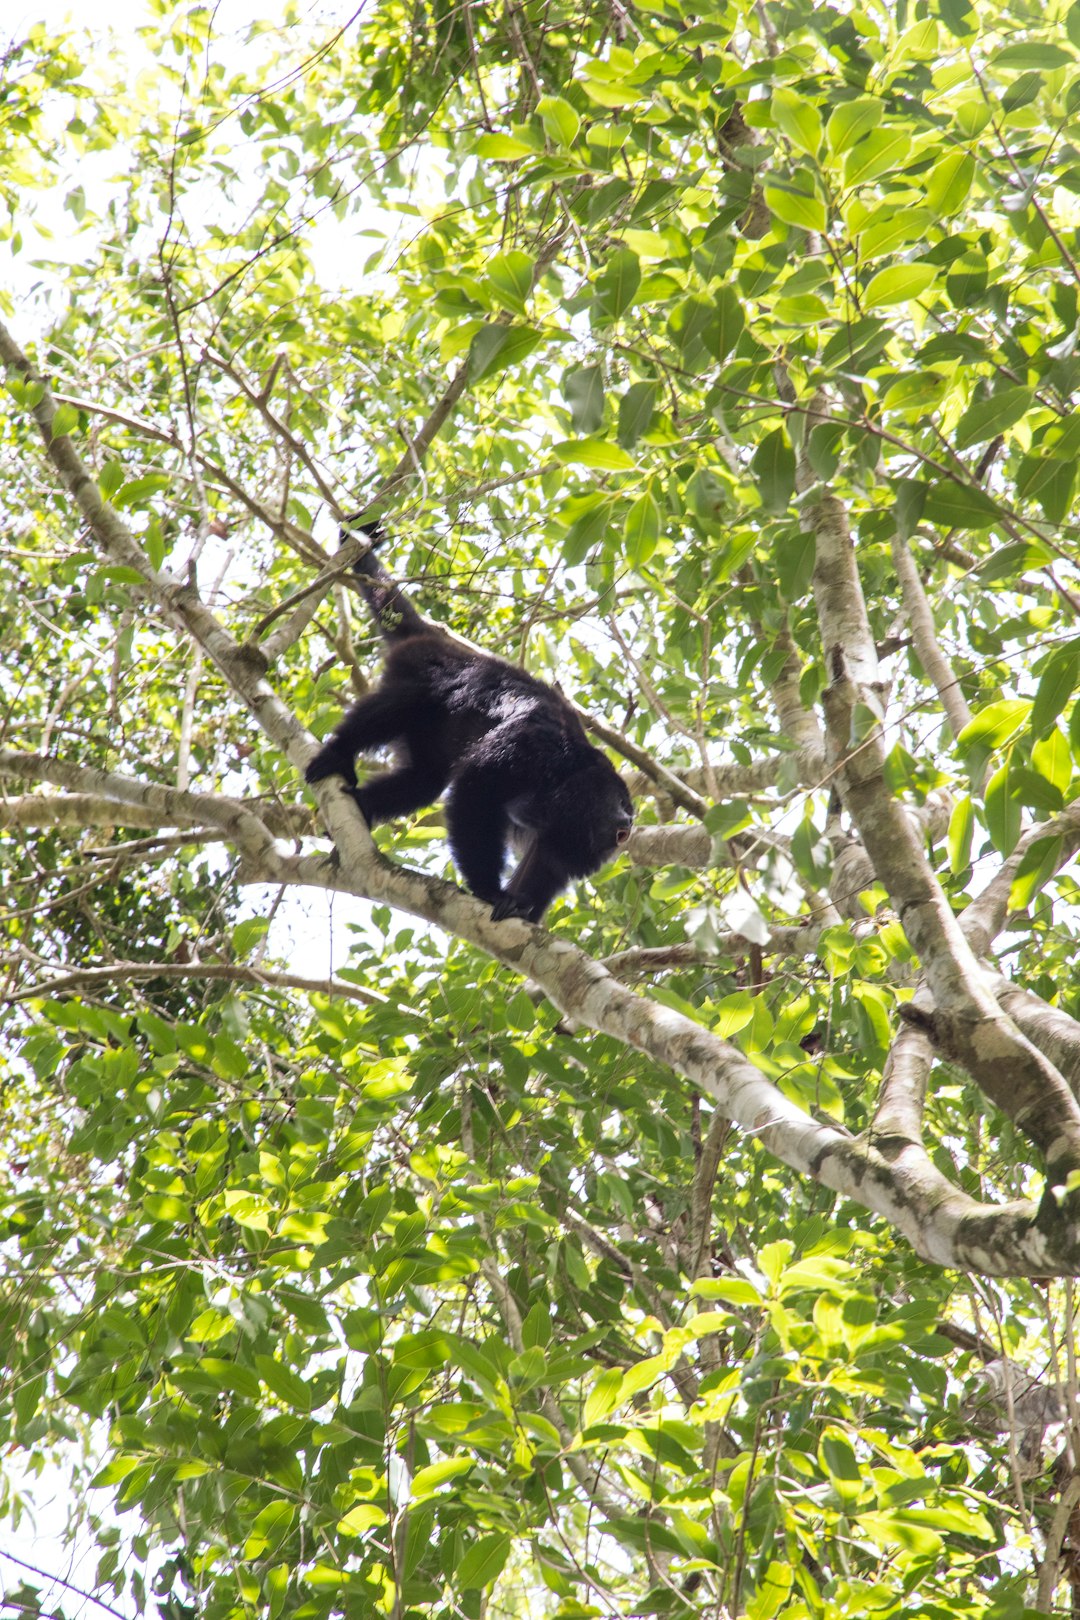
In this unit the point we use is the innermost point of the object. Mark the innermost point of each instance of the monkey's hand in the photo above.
(331, 760)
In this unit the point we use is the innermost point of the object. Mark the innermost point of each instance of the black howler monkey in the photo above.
(511, 751)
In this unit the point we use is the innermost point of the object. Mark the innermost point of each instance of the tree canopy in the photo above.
(707, 1251)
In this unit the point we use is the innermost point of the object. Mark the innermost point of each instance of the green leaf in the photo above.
(511, 277)
(559, 119)
(958, 506)
(1038, 865)
(949, 183)
(618, 282)
(961, 828)
(772, 1592)
(110, 478)
(598, 453)
(851, 121)
(909, 503)
(960, 18)
(1003, 813)
(1018, 557)
(138, 491)
(636, 408)
(1051, 760)
(796, 205)
(798, 119)
(1057, 683)
(878, 152)
(503, 148)
(795, 551)
(967, 278)
(986, 418)
(837, 1457)
(727, 328)
(427, 1480)
(602, 1398)
(536, 1328)
(997, 724)
(65, 421)
(773, 466)
(898, 284)
(495, 348)
(888, 228)
(587, 530)
(691, 325)
(642, 530)
(1041, 54)
(1050, 481)
(365, 1516)
(284, 1383)
(484, 1560)
(583, 391)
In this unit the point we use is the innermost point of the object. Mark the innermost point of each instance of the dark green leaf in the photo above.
(583, 390)
(1041, 54)
(511, 278)
(617, 285)
(1003, 810)
(636, 409)
(642, 530)
(986, 418)
(1057, 684)
(484, 1561)
(956, 506)
(1037, 866)
(496, 348)
(773, 465)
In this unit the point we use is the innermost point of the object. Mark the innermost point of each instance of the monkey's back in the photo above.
(479, 698)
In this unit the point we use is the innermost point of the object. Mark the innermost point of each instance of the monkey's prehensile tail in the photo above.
(395, 617)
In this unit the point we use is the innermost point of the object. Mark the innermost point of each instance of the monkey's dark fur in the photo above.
(511, 751)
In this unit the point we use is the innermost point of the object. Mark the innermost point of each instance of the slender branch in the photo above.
(898, 1116)
(666, 780)
(701, 1193)
(1050, 1567)
(924, 634)
(99, 811)
(231, 973)
(289, 439)
(645, 960)
(296, 538)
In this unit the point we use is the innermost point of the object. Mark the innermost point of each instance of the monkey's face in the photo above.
(595, 816)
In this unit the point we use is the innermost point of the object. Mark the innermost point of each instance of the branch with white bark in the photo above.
(942, 1222)
(963, 1019)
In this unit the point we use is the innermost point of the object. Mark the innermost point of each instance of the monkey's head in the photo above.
(594, 816)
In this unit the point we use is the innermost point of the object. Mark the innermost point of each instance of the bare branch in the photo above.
(232, 973)
(924, 635)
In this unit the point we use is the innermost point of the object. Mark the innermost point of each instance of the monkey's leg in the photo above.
(477, 824)
(536, 880)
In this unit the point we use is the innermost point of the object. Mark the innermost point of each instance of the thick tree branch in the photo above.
(965, 1022)
(944, 1224)
(235, 820)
